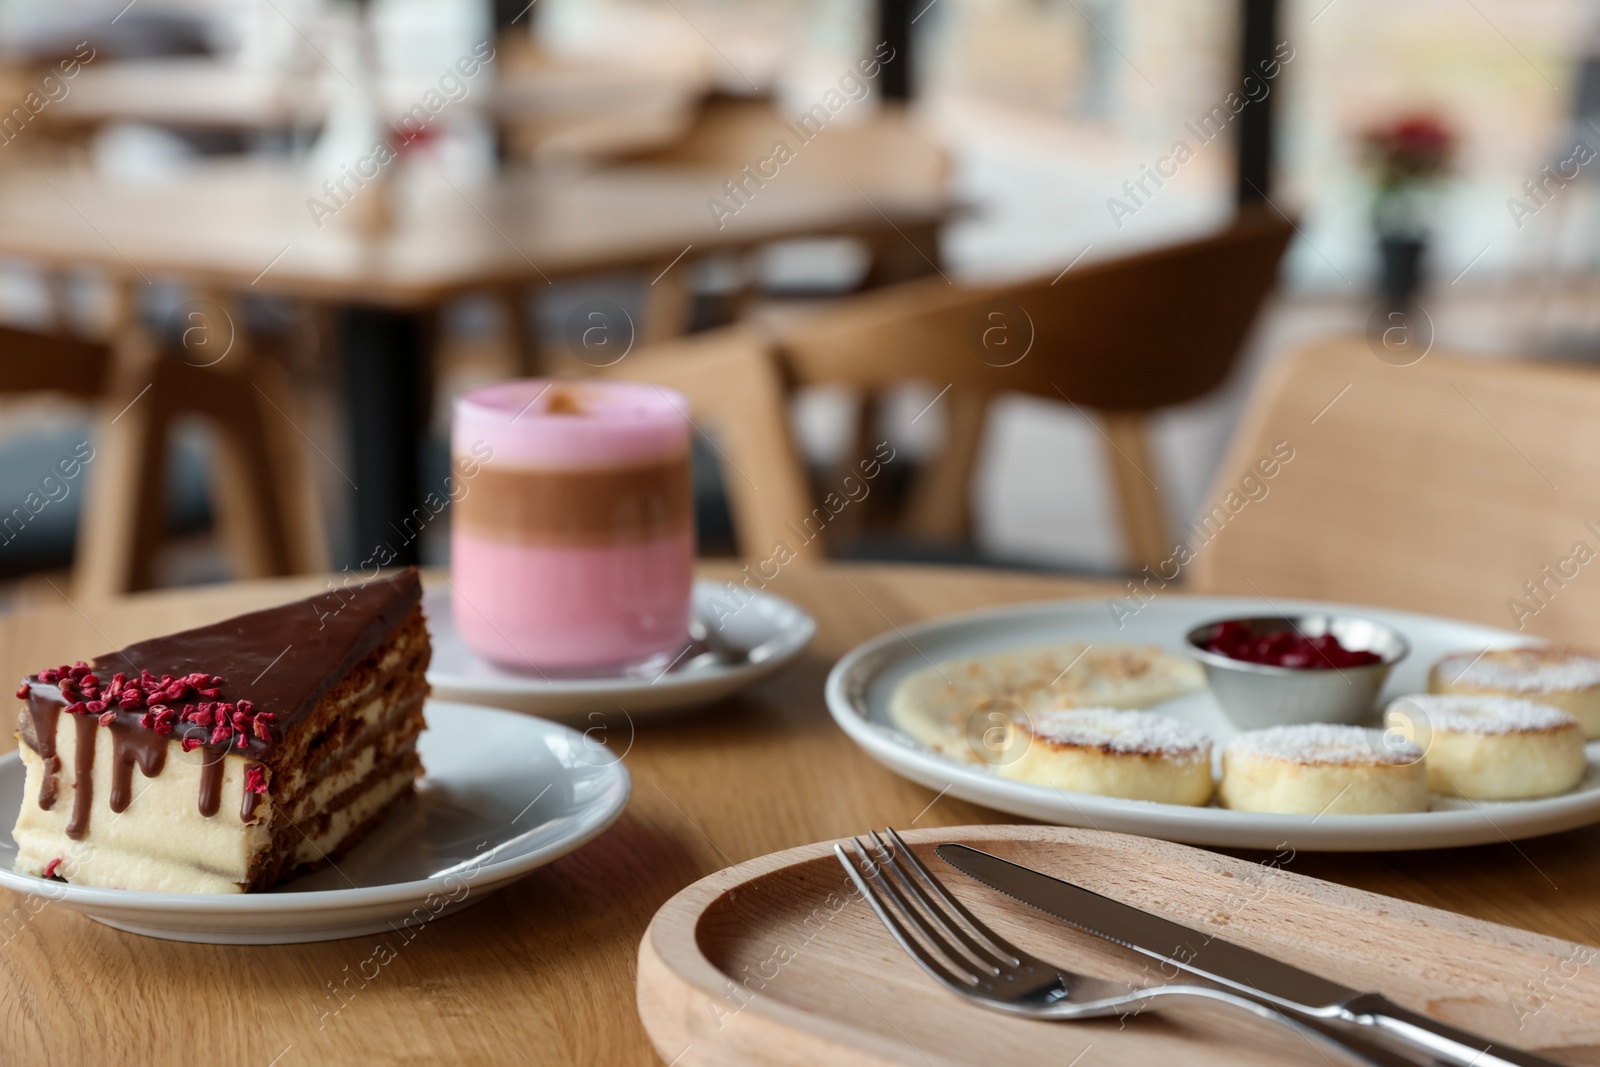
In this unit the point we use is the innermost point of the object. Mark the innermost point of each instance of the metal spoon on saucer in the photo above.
(709, 635)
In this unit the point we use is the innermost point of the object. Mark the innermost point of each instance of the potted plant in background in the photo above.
(1408, 158)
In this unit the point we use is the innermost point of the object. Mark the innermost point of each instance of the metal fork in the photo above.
(970, 959)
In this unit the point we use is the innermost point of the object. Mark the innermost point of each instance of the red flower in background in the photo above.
(407, 138)
(1417, 147)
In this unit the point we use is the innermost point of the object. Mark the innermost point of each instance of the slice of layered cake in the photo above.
(265, 745)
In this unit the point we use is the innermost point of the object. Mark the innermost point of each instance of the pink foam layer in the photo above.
(564, 608)
(621, 422)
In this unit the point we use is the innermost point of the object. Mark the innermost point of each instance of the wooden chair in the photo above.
(882, 153)
(574, 112)
(1446, 486)
(33, 362)
(884, 156)
(738, 402)
(263, 503)
(1119, 339)
(881, 157)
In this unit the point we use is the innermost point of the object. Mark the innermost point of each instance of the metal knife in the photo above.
(1243, 970)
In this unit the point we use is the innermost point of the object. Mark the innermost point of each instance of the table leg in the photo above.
(894, 29)
(522, 330)
(668, 303)
(385, 359)
(902, 254)
(1254, 143)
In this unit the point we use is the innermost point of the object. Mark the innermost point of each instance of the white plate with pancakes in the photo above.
(771, 630)
(897, 697)
(503, 795)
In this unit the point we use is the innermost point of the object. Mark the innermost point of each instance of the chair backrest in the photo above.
(884, 154)
(738, 402)
(1459, 486)
(1123, 337)
(1132, 334)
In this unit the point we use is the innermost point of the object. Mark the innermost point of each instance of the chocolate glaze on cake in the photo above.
(281, 661)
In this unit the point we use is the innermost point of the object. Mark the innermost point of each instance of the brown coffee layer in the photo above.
(586, 508)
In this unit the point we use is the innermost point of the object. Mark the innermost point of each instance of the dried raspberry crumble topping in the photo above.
(161, 701)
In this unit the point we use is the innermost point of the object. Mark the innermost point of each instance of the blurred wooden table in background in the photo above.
(192, 93)
(248, 227)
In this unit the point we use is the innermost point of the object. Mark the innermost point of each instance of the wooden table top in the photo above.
(192, 91)
(246, 226)
(204, 93)
(543, 972)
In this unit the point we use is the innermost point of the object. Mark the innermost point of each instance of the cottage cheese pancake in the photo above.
(1564, 678)
(1318, 769)
(942, 705)
(1136, 755)
(1492, 748)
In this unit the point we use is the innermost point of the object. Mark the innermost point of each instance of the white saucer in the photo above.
(860, 684)
(504, 794)
(774, 630)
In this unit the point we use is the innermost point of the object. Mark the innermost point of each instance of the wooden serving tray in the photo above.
(779, 961)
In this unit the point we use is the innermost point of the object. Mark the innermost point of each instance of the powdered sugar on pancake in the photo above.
(1126, 732)
(1325, 743)
(1525, 670)
(1483, 714)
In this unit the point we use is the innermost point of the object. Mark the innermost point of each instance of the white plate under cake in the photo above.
(505, 793)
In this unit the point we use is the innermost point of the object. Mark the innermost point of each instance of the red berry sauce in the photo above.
(1286, 648)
